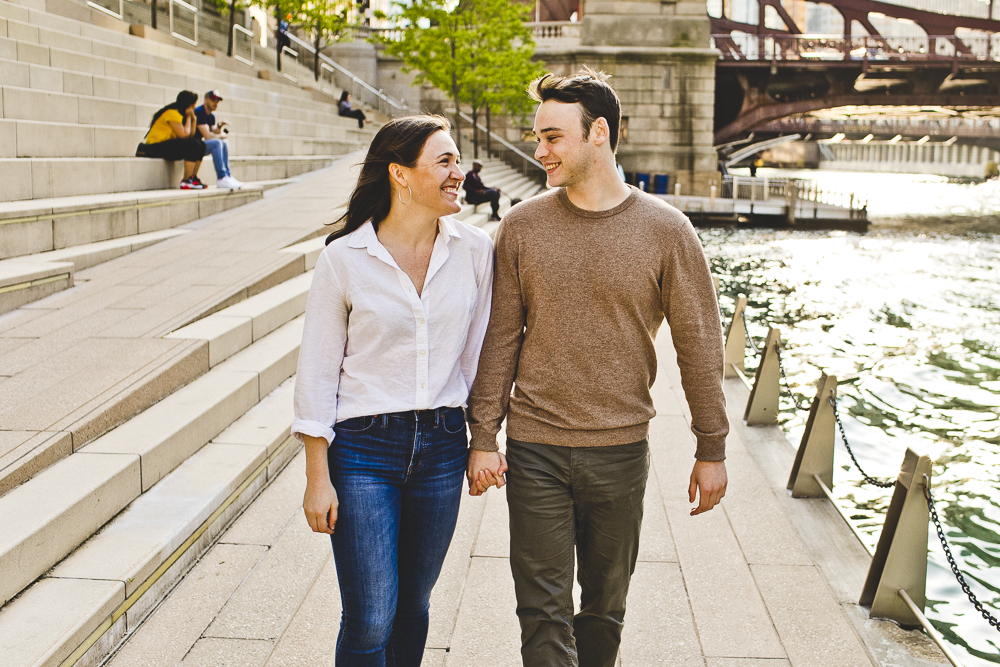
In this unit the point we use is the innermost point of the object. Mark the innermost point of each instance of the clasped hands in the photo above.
(485, 469)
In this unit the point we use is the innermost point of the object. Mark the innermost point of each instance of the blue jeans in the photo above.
(399, 481)
(219, 150)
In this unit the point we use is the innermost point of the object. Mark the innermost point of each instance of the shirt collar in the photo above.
(365, 236)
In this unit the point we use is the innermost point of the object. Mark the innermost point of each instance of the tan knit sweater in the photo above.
(578, 297)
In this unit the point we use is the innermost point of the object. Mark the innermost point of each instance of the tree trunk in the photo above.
(489, 131)
(152, 14)
(454, 96)
(475, 133)
(277, 32)
(319, 34)
(232, 22)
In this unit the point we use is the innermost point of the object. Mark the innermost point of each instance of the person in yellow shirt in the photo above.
(173, 136)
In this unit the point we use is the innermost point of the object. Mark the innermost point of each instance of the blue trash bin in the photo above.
(660, 183)
(642, 182)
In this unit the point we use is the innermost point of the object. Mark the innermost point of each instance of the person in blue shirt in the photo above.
(477, 193)
(214, 135)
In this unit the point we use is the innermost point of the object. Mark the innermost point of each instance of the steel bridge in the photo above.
(767, 73)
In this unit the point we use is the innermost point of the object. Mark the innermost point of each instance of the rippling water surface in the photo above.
(908, 318)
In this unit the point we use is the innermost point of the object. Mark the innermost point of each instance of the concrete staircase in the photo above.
(76, 99)
(92, 542)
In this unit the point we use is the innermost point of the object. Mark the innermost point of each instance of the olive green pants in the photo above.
(561, 497)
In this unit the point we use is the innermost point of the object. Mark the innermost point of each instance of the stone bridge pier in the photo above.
(658, 54)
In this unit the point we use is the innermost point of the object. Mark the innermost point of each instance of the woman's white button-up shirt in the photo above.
(371, 345)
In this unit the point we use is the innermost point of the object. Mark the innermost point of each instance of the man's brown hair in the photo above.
(590, 89)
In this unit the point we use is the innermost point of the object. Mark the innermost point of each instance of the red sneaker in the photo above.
(191, 184)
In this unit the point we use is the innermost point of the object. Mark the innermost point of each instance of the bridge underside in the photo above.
(752, 94)
(769, 69)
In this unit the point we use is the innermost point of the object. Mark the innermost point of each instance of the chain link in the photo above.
(990, 618)
(746, 330)
(781, 367)
(871, 480)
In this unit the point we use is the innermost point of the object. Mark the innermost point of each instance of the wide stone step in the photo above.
(44, 30)
(231, 329)
(39, 225)
(32, 139)
(278, 298)
(52, 513)
(23, 281)
(29, 104)
(43, 178)
(117, 576)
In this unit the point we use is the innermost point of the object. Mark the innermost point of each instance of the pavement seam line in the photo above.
(107, 624)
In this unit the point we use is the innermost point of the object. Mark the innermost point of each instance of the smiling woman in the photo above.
(394, 324)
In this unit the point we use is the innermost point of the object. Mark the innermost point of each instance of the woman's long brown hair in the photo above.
(400, 141)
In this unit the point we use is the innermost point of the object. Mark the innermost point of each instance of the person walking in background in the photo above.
(214, 135)
(345, 109)
(173, 136)
(477, 193)
(394, 323)
(585, 275)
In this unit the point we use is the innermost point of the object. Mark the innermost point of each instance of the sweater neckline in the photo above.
(607, 213)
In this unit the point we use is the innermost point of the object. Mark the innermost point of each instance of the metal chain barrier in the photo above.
(784, 378)
(951, 560)
(939, 528)
(753, 346)
(868, 478)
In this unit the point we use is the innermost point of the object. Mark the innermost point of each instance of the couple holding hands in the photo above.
(413, 316)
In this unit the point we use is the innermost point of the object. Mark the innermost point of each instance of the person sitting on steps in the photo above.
(477, 193)
(344, 108)
(214, 135)
(173, 136)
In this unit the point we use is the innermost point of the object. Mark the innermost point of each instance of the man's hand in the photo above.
(485, 469)
(708, 482)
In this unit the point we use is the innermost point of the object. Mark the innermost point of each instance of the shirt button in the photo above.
(422, 353)
(421, 385)
(421, 320)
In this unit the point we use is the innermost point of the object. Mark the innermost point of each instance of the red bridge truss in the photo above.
(766, 73)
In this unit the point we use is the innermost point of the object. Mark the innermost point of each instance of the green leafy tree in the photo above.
(477, 51)
(327, 19)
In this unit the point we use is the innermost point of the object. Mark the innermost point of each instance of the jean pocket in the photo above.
(355, 424)
(453, 421)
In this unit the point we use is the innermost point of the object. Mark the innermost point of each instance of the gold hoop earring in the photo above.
(399, 195)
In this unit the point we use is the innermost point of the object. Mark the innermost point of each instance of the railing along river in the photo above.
(895, 588)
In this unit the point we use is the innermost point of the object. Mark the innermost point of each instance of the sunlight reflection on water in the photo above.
(914, 319)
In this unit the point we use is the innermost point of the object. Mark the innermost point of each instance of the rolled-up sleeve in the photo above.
(321, 355)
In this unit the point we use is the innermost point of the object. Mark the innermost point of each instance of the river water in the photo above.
(909, 315)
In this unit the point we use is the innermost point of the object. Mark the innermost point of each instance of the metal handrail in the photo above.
(191, 8)
(294, 54)
(394, 104)
(503, 142)
(249, 33)
(121, 9)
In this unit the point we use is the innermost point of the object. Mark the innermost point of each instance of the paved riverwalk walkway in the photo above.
(736, 587)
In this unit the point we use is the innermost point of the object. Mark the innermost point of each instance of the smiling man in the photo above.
(585, 275)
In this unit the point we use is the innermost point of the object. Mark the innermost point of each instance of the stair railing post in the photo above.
(762, 408)
(900, 560)
(815, 453)
(736, 341)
